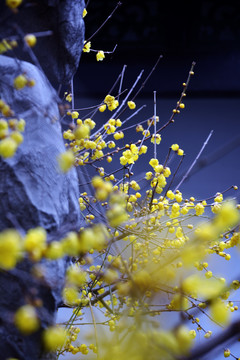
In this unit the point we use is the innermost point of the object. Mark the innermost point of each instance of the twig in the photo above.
(194, 162)
(121, 81)
(106, 52)
(72, 92)
(232, 332)
(108, 18)
(95, 328)
(155, 124)
(147, 78)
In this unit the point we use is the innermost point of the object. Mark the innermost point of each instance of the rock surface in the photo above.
(58, 54)
(33, 191)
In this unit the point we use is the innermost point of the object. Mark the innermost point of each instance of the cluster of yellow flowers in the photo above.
(11, 130)
(143, 250)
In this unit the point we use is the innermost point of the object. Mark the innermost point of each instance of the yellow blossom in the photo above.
(118, 135)
(26, 319)
(74, 114)
(17, 137)
(13, 3)
(54, 338)
(199, 209)
(220, 312)
(153, 162)
(20, 82)
(66, 160)
(100, 55)
(82, 132)
(70, 296)
(102, 108)
(156, 139)
(8, 147)
(180, 152)
(84, 12)
(54, 250)
(175, 147)
(131, 105)
(116, 215)
(149, 175)
(87, 46)
(10, 249)
(30, 40)
(76, 276)
(35, 242)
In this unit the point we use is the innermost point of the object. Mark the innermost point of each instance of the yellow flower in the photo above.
(54, 250)
(17, 137)
(35, 242)
(87, 46)
(20, 82)
(175, 147)
(100, 55)
(21, 125)
(226, 353)
(10, 249)
(227, 216)
(153, 162)
(74, 114)
(149, 175)
(116, 215)
(170, 194)
(54, 338)
(219, 198)
(13, 3)
(199, 209)
(143, 149)
(8, 147)
(69, 97)
(102, 108)
(75, 276)
(30, 40)
(131, 105)
(82, 132)
(26, 319)
(71, 296)
(118, 135)
(219, 312)
(111, 102)
(70, 244)
(84, 13)
(180, 152)
(66, 160)
(156, 138)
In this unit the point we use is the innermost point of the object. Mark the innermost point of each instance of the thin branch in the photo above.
(194, 162)
(95, 328)
(147, 78)
(106, 52)
(108, 18)
(121, 81)
(232, 332)
(155, 124)
(72, 92)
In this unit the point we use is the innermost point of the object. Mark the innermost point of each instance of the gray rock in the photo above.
(32, 189)
(58, 54)
(33, 193)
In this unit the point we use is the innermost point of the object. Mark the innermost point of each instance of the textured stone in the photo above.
(58, 54)
(32, 189)
(34, 192)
